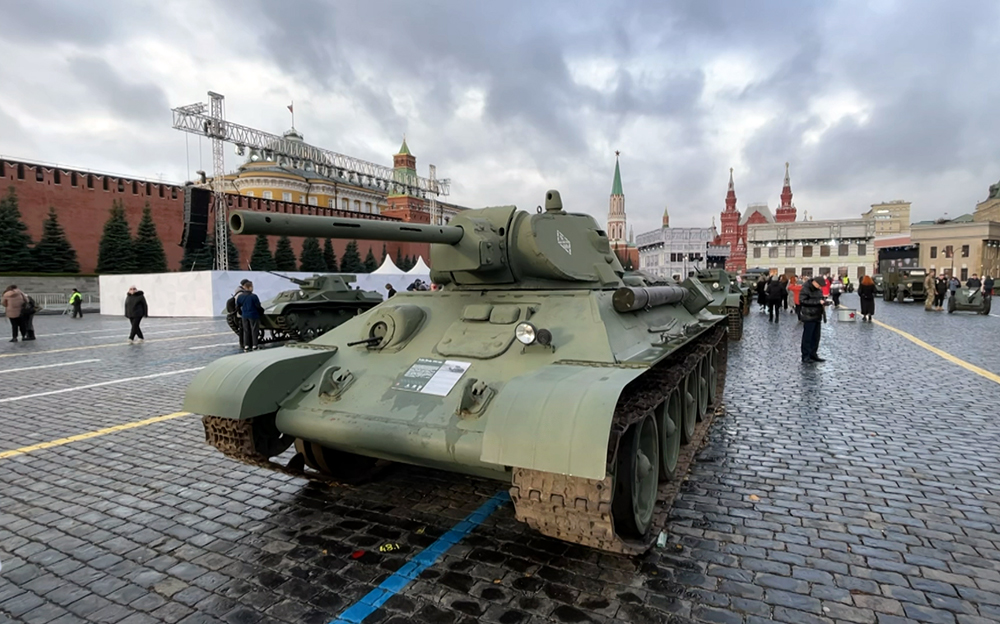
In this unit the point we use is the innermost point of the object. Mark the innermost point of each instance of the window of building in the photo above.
(173, 192)
(965, 275)
(357, 205)
(368, 207)
(772, 252)
(90, 181)
(149, 189)
(72, 179)
(841, 271)
(965, 251)
(345, 204)
(933, 252)
(161, 189)
(948, 272)
(862, 249)
(313, 201)
(56, 177)
(790, 251)
(843, 250)
(824, 250)
(824, 270)
(756, 252)
(861, 272)
(135, 187)
(286, 197)
(39, 174)
(104, 182)
(807, 251)
(333, 203)
(302, 199)
(949, 252)
(267, 195)
(20, 171)
(807, 272)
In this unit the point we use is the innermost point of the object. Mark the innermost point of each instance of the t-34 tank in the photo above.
(970, 300)
(535, 365)
(727, 299)
(319, 304)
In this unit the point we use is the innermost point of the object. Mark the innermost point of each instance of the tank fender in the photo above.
(252, 384)
(556, 419)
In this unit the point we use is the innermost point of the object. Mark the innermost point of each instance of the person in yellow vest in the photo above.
(76, 300)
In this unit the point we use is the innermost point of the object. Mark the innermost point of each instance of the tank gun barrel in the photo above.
(632, 299)
(291, 279)
(275, 224)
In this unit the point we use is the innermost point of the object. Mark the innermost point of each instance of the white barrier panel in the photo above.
(204, 293)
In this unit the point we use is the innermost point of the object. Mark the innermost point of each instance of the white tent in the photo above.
(420, 268)
(388, 268)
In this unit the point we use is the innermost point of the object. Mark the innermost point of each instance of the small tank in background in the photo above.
(728, 299)
(319, 304)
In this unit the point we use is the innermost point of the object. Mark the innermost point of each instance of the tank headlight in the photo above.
(715, 286)
(525, 333)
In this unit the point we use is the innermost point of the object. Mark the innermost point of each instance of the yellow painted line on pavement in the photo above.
(90, 434)
(982, 372)
(123, 343)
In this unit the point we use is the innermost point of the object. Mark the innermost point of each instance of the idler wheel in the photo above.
(703, 373)
(670, 421)
(689, 397)
(636, 478)
(713, 374)
(340, 465)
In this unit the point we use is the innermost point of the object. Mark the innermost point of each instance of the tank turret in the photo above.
(498, 247)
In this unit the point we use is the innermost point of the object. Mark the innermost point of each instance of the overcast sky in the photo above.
(869, 101)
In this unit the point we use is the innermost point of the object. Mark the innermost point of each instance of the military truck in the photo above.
(319, 304)
(728, 299)
(970, 300)
(904, 283)
(536, 365)
(879, 283)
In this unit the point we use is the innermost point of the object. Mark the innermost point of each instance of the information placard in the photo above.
(430, 376)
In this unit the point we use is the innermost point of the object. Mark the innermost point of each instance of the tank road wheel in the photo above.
(636, 478)
(713, 374)
(703, 373)
(670, 421)
(689, 396)
(735, 316)
(339, 465)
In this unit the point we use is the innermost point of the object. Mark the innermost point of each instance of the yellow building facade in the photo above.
(959, 248)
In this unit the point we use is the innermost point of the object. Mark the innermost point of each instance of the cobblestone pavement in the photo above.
(865, 489)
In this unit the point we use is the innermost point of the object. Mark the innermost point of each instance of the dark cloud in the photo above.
(135, 101)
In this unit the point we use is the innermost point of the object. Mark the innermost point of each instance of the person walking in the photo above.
(14, 302)
(794, 288)
(233, 308)
(953, 285)
(988, 286)
(251, 311)
(775, 294)
(812, 314)
(391, 291)
(784, 282)
(135, 311)
(76, 300)
(761, 294)
(866, 292)
(835, 290)
(825, 283)
(940, 288)
(930, 284)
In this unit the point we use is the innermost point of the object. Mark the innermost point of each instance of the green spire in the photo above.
(616, 186)
(404, 149)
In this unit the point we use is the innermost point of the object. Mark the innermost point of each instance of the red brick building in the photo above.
(83, 198)
(733, 231)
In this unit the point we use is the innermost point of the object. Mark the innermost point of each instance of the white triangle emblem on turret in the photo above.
(564, 242)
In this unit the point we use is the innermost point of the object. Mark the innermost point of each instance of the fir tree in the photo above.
(284, 255)
(232, 252)
(399, 258)
(15, 251)
(115, 253)
(261, 258)
(385, 254)
(370, 262)
(53, 253)
(148, 248)
(202, 259)
(407, 263)
(329, 256)
(312, 256)
(351, 262)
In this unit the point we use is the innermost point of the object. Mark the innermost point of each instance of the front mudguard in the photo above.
(253, 384)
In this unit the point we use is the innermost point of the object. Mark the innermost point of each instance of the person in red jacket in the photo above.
(794, 287)
(826, 286)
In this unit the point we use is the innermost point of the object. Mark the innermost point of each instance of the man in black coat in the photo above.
(973, 282)
(776, 293)
(811, 299)
(135, 311)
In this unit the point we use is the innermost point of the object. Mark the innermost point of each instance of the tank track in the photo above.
(735, 316)
(235, 439)
(578, 510)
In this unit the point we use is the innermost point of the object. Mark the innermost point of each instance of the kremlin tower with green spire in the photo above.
(623, 247)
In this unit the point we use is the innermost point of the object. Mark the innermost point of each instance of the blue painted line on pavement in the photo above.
(427, 557)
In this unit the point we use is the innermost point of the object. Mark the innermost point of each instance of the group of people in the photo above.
(774, 292)
(937, 286)
(20, 310)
